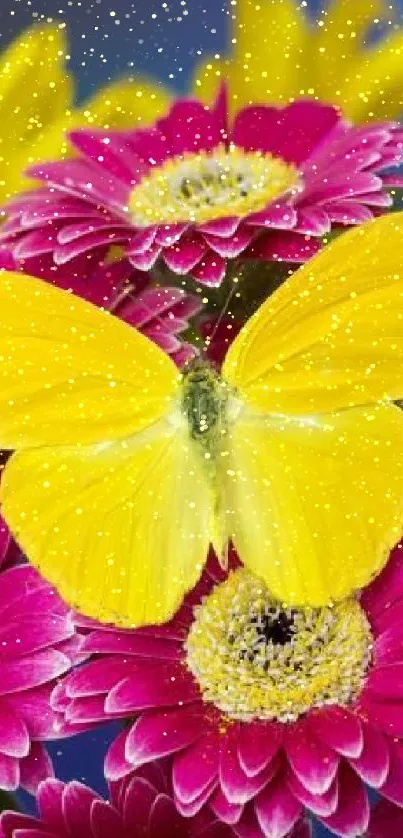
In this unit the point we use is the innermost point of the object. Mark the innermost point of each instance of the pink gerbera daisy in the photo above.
(38, 644)
(140, 806)
(386, 821)
(197, 190)
(264, 710)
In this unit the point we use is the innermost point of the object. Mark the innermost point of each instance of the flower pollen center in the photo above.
(255, 659)
(199, 187)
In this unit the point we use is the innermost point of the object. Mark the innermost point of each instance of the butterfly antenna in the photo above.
(235, 281)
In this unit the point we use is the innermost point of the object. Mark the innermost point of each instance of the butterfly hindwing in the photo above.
(121, 529)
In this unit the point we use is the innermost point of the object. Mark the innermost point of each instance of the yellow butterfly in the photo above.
(124, 470)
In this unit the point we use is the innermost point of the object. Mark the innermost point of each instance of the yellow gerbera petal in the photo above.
(35, 91)
(278, 55)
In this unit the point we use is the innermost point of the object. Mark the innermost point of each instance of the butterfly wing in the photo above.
(71, 373)
(332, 335)
(122, 530)
(105, 493)
(314, 484)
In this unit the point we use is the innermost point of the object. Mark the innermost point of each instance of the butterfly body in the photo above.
(124, 471)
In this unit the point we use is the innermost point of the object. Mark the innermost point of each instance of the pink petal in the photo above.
(39, 668)
(110, 152)
(236, 785)
(388, 647)
(230, 813)
(352, 815)
(313, 221)
(373, 764)
(156, 735)
(392, 788)
(292, 132)
(165, 818)
(145, 261)
(314, 763)
(105, 821)
(50, 801)
(190, 126)
(283, 247)
(138, 800)
(36, 243)
(30, 634)
(185, 254)
(258, 744)
(132, 643)
(77, 803)
(385, 683)
(98, 676)
(82, 180)
(325, 190)
(386, 821)
(276, 216)
(387, 716)
(232, 246)
(277, 809)
(340, 729)
(84, 711)
(320, 804)
(116, 766)
(346, 212)
(102, 238)
(14, 738)
(386, 588)
(197, 805)
(9, 772)
(169, 234)
(195, 768)
(210, 270)
(141, 242)
(35, 767)
(157, 686)
(223, 227)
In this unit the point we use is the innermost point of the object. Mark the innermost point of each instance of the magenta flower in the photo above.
(141, 806)
(386, 821)
(37, 645)
(195, 191)
(264, 711)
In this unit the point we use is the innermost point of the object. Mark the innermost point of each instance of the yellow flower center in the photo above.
(254, 659)
(199, 187)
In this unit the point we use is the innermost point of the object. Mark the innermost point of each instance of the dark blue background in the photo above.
(165, 44)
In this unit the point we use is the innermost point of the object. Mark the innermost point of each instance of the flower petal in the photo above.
(155, 735)
(277, 809)
(340, 729)
(352, 814)
(196, 768)
(257, 745)
(314, 763)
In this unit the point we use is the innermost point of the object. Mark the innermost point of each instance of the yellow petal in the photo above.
(35, 91)
(265, 65)
(125, 104)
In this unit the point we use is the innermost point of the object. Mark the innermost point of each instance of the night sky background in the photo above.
(110, 39)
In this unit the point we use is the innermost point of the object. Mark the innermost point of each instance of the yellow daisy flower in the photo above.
(37, 103)
(279, 55)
